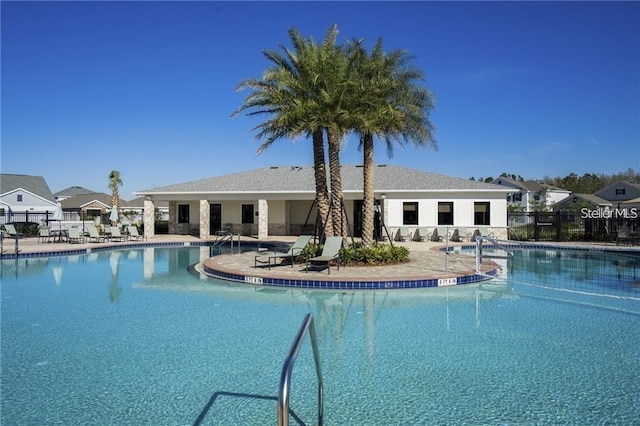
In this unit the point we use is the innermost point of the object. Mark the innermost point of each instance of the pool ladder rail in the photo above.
(287, 371)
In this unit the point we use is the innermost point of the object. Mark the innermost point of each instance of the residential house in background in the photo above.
(529, 194)
(22, 194)
(72, 191)
(619, 193)
(89, 206)
(279, 200)
(576, 201)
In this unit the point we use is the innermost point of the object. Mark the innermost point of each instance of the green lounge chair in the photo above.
(404, 233)
(422, 234)
(116, 235)
(11, 230)
(330, 253)
(73, 235)
(290, 255)
(44, 234)
(94, 235)
(134, 234)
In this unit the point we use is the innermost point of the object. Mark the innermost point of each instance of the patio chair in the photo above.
(330, 253)
(404, 233)
(44, 234)
(623, 235)
(483, 231)
(440, 234)
(134, 234)
(11, 230)
(73, 235)
(94, 235)
(290, 255)
(459, 234)
(116, 235)
(422, 234)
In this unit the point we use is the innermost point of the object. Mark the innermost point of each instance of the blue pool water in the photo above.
(137, 337)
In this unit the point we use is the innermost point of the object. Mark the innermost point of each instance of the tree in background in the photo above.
(290, 94)
(390, 103)
(115, 182)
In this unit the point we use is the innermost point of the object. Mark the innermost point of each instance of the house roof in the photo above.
(301, 179)
(72, 191)
(82, 200)
(589, 198)
(139, 203)
(33, 184)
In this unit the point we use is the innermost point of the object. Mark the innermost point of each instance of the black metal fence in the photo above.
(569, 226)
(27, 223)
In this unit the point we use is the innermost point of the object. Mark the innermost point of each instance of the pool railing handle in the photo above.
(287, 370)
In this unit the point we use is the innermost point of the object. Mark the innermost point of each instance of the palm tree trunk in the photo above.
(368, 193)
(337, 213)
(115, 197)
(322, 190)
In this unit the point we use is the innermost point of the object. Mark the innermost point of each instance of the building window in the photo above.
(481, 213)
(410, 213)
(620, 191)
(517, 197)
(445, 213)
(247, 213)
(19, 198)
(183, 213)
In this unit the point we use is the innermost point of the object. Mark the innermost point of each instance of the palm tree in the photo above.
(295, 93)
(115, 182)
(391, 104)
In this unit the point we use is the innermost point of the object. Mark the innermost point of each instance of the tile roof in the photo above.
(301, 179)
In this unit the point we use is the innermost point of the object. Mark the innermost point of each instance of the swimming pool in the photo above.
(137, 337)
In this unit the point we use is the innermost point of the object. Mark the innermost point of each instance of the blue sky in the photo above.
(148, 88)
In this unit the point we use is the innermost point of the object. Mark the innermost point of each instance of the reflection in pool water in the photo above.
(136, 337)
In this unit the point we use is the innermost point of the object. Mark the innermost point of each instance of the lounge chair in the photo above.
(422, 234)
(622, 235)
(73, 235)
(459, 235)
(134, 234)
(483, 231)
(290, 255)
(116, 235)
(440, 234)
(44, 234)
(94, 236)
(404, 233)
(11, 230)
(330, 253)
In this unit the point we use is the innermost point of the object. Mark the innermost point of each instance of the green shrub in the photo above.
(378, 254)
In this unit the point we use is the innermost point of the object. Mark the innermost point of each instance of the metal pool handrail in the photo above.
(287, 371)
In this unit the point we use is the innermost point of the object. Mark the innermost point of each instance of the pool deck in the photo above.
(429, 265)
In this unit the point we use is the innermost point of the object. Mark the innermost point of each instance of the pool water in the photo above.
(137, 337)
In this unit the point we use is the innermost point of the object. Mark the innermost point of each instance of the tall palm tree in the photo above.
(295, 94)
(390, 103)
(115, 182)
